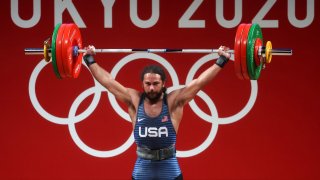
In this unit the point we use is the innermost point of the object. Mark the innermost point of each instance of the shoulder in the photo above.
(135, 96)
(173, 98)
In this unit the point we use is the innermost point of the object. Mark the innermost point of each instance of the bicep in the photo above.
(119, 91)
(180, 97)
(187, 93)
(192, 88)
(106, 80)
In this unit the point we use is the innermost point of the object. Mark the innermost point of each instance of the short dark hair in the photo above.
(153, 69)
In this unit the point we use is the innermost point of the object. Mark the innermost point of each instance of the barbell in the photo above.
(65, 51)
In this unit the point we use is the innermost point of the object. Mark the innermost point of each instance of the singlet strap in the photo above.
(165, 98)
(142, 96)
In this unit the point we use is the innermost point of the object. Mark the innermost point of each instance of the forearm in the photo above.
(190, 91)
(107, 81)
(207, 76)
(98, 73)
(101, 75)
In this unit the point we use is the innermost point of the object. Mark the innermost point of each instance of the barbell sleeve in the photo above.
(281, 52)
(34, 51)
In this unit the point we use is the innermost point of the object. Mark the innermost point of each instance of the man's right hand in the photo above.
(222, 51)
(90, 50)
(88, 56)
(224, 56)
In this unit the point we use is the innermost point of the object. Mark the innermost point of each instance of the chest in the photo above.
(153, 110)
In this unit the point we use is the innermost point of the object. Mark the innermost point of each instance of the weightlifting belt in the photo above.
(157, 154)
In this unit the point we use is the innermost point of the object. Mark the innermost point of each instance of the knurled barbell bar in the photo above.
(65, 51)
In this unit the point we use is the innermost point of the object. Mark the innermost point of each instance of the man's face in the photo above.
(152, 86)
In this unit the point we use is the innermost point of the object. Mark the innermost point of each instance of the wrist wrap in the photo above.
(88, 59)
(221, 61)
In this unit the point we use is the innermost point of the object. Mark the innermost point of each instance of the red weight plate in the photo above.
(244, 40)
(237, 51)
(72, 64)
(66, 45)
(76, 41)
(59, 52)
(257, 45)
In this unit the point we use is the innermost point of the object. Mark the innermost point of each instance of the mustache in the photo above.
(153, 96)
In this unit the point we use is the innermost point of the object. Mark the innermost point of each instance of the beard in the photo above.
(153, 96)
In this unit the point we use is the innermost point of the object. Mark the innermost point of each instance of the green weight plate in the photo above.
(254, 33)
(53, 50)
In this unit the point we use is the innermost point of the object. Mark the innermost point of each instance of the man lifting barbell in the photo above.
(155, 115)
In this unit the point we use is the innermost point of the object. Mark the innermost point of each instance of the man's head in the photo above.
(153, 80)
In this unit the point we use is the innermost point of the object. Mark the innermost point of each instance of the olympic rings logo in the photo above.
(97, 89)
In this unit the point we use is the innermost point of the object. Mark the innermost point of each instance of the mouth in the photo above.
(153, 96)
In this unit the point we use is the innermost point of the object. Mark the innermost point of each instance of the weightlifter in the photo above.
(155, 115)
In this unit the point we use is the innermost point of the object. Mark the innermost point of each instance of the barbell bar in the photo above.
(40, 51)
(65, 51)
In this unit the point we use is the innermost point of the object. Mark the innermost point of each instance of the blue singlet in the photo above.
(155, 133)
